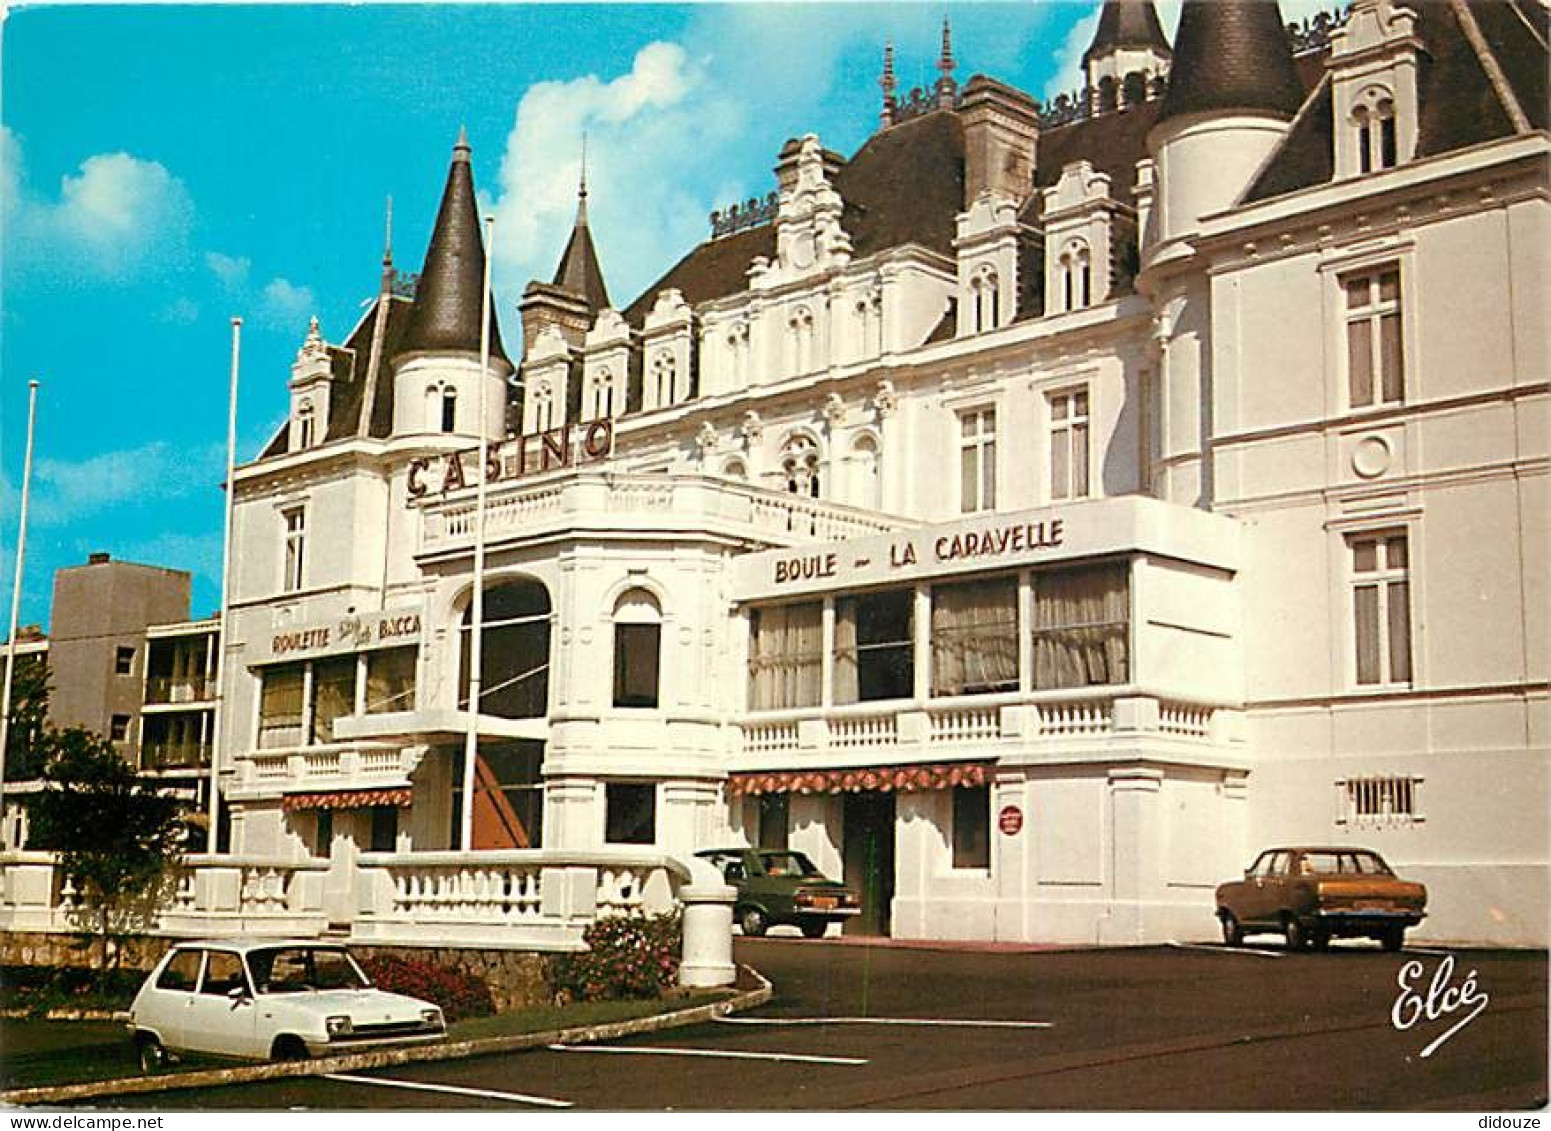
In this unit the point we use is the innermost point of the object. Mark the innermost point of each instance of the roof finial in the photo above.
(461, 148)
(581, 187)
(387, 239)
(888, 83)
(947, 89)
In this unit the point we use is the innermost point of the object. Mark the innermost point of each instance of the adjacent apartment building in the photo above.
(1029, 516)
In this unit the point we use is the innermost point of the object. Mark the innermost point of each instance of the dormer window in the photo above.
(984, 296)
(449, 409)
(306, 426)
(1374, 119)
(1076, 276)
(664, 371)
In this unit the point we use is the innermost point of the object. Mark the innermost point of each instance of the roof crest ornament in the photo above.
(889, 84)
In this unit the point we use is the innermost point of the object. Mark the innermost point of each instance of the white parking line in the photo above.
(947, 1022)
(1229, 949)
(1425, 950)
(721, 1054)
(449, 1089)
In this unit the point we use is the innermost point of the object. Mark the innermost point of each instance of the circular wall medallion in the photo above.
(1371, 457)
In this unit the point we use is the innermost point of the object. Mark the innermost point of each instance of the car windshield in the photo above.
(787, 864)
(1343, 864)
(292, 969)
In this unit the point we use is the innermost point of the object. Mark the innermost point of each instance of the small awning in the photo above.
(348, 799)
(883, 779)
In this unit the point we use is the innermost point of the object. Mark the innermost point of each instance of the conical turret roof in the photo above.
(1232, 55)
(579, 272)
(1127, 23)
(448, 298)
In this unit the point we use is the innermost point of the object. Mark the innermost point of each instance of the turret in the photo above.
(1233, 90)
(1128, 54)
(437, 379)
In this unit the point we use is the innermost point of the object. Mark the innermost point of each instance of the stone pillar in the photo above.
(708, 900)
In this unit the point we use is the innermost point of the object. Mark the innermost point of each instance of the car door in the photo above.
(1258, 893)
(164, 1010)
(217, 1022)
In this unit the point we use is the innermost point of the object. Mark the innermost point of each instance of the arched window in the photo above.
(735, 468)
(664, 373)
(602, 395)
(800, 329)
(867, 472)
(1133, 89)
(800, 465)
(543, 407)
(514, 656)
(1076, 276)
(984, 295)
(637, 649)
(449, 409)
(1374, 119)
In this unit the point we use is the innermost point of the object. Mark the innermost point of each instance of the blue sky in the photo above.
(163, 168)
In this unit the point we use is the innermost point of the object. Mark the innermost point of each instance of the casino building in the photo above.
(1029, 516)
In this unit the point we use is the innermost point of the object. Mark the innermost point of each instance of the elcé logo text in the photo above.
(1440, 1000)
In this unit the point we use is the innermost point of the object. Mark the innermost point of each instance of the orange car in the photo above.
(1311, 895)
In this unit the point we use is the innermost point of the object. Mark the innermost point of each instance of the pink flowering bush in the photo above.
(460, 995)
(627, 956)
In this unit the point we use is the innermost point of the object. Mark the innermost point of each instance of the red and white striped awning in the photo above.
(883, 779)
(348, 799)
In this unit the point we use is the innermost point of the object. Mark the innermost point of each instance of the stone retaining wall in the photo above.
(517, 979)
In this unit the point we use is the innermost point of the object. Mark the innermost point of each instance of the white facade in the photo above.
(1035, 614)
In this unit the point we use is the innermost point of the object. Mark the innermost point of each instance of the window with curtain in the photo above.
(333, 695)
(874, 647)
(1082, 627)
(390, 680)
(975, 637)
(1375, 356)
(786, 656)
(1381, 607)
(280, 707)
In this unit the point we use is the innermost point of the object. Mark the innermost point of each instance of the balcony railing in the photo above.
(984, 726)
(174, 755)
(323, 765)
(653, 502)
(179, 689)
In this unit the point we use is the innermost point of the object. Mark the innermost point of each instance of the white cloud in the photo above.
(283, 304)
(231, 270)
(1068, 75)
(180, 312)
(67, 489)
(119, 214)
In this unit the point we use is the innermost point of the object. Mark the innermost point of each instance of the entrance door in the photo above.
(869, 859)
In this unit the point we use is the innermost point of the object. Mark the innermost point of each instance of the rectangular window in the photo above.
(323, 842)
(1069, 445)
(975, 637)
(182, 973)
(972, 826)
(1381, 608)
(385, 828)
(124, 660)
(786, 657)
(223, 974)
(977, 460)
(1082, 627)
(333, 695)
(774, 820)
(1380, 800)
(874, 647)
(636, 651)
(1375, 359)
(118, 728)
(295, 547)
(631, 813)
(390, 680)
(280, 707)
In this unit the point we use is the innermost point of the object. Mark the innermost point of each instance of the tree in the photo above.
(26, 746)
(116, 838)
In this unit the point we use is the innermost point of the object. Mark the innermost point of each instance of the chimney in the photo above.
(100, 557)
(1001, 134)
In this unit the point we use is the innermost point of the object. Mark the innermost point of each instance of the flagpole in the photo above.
(477, 620)
(222, 646)
(16, 600)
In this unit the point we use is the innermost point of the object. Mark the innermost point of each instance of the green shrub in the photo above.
(460, 995)
(627, 956)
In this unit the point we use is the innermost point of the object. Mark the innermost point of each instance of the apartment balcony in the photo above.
(324, 767)
(174, 755)
(1083, 724)
(638, 503)
(180, 690)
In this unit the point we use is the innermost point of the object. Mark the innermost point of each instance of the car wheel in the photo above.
(153, 1057)
(1297, 934)
(288, 1047)
(1320, 940)
(814, 930)
(1393, 938)
(1232, 929)
(753, 921)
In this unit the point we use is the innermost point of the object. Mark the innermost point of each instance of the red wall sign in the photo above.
(1010, 820)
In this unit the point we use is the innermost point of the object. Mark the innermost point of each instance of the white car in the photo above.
(277, 999)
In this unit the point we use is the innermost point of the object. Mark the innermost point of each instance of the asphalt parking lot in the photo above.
(1154, 1028)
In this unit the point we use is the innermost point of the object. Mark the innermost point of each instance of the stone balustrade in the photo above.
(327, 765)
(1042, 722)
(625, 501)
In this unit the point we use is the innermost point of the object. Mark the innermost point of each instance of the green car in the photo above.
(778, 888)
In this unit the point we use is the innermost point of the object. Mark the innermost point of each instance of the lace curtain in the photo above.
(975, 637)
(1081, 627)
(786, 657)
